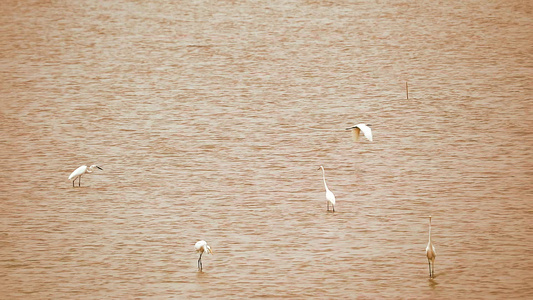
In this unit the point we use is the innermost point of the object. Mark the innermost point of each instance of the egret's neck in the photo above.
(324, 178)
(430, 230)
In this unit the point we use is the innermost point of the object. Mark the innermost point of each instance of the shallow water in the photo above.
(210, 119)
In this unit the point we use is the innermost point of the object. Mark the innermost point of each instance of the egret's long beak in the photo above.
(99, 168)
(210, 251)
(350, 128)
(318, 168)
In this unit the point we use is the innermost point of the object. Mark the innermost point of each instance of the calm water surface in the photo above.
(210, 119)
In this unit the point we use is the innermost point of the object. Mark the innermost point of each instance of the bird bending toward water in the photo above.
(431, 254)
(356, 130)
(202, 247)
(329, 194)
(80, 171)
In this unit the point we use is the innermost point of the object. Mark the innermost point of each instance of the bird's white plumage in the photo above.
(431, 253)
(202, 247)
(79, 171)
(329, 194)
(356, 129)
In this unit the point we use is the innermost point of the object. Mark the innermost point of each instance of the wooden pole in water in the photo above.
(406, 90)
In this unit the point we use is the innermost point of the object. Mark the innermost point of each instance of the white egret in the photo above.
(431, 254)
(202, 247)
(365, 128)
(329, 194)
(80, 171)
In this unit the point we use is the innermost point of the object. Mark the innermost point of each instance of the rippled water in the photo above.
(210, 119)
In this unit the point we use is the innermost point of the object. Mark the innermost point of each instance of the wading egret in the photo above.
(80, 171)
(329, 194)
(431, 254)
(202, 247)
(365, 128)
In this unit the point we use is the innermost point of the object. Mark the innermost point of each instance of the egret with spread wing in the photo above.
(356, 130)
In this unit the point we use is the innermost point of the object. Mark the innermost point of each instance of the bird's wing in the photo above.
(330, 196)
(366, 131)
(355, 133)
(199, 245)
(430, 251)
(77, 172)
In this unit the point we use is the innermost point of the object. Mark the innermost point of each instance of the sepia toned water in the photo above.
(210, 119)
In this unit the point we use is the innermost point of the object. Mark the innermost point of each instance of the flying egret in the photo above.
(431, 254)
(329, 194)
(80, 171)
(365, 128)
(202, 247)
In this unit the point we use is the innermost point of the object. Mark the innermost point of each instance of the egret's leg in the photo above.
(328, 205)
(73, 182)
(333, 207)
(433, 269)
(200, 261)
(429, 263)
(79, 181)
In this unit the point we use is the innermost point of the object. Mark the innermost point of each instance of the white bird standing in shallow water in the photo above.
(431, 254)
(202, 247)
(80, 171)
(329, 194)
(365, 128)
